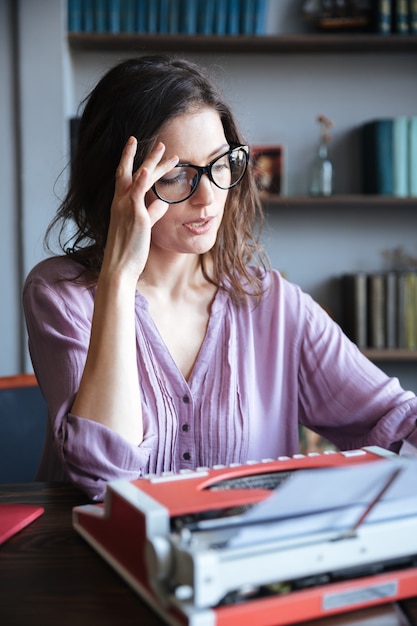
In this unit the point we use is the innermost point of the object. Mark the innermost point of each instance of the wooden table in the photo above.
(49, 576)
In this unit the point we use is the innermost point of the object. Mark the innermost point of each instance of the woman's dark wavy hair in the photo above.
(137, 97)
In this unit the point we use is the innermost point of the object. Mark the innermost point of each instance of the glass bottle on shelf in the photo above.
(322, 175)
(321, 183)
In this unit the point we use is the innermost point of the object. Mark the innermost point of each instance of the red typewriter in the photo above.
(263, 544)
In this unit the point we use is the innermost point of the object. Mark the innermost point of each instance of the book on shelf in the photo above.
(260, 17)
(394, 17)
(401, 18)
(100, 16)
(253, 17)
(376, 311)
(409, 317)
(412, 16)
(209, 17)
(246, 17)
(401, 308)
(189, 17)
(87, 16)
(400, 129)
(173, 16)
(407, 309)
(342, 15)
(355, 307)
(383, 17)
(412, 155)
(205, 17)
(140, 17)
(74, 16)
(113, 16)
(389, 156)
(391, 310)
(127, 16)
(220, 17)
(163, 17)
(379, 309)
(152, 17)
(233, 18)
(377, 164)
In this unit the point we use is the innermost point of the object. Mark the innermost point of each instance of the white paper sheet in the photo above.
(330, 500)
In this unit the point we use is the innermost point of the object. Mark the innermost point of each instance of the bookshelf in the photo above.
(391, 355)
(299, 44)
(276, 84)
(265, 44)
(354, 201)
(256, 48)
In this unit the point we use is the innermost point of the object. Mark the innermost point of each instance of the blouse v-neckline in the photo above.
(161, 351)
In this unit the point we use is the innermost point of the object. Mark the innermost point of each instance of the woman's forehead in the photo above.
(198, 133)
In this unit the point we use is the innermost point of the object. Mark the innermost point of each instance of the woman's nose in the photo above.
(204, 192)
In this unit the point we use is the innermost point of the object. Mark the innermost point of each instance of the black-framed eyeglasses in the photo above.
(225, 171)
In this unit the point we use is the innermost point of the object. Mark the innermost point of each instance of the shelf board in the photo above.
(266, 44)
(338, 201)
(391, 355)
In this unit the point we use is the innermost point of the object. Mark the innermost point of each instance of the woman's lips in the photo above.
(199, 227)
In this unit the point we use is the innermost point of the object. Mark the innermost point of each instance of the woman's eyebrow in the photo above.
(212, 155)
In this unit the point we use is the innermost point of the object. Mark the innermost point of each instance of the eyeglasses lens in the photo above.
(225, 171)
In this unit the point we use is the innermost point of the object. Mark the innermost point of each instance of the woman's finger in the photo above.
(153, 158)
(125, 167)
(153, 168)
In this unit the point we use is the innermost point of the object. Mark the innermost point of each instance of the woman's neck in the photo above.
(173, 275)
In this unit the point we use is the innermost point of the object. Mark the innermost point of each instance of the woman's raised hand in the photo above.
(109, 392)
(131, 221)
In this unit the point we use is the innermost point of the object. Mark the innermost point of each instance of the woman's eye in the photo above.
(221, 165)
(167, 181)
(173, 178)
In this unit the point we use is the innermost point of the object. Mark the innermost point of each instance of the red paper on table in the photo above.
(14, 517)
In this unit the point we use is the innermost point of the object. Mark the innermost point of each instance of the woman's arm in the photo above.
(345, 397)
(109, 389)
(59, 311)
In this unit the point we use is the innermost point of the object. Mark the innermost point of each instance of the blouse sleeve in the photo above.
(58, 320)
(344, 396)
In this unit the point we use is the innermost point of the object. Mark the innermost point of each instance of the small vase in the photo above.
(321, 183)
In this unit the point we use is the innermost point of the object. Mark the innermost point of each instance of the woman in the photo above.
(161, 339)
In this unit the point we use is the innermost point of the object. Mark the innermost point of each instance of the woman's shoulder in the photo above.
(54, 270)
(274, 293)
(56, 283)
(59, 278)
(273, 281)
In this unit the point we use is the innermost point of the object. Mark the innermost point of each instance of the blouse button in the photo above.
(186, 428)
(186, 456)
(186, 399)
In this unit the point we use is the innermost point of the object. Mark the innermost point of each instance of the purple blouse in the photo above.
(262, 370)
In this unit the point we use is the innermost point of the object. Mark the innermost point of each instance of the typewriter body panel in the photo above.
(177, 540)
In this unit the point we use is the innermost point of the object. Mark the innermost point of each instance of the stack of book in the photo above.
(389, 156)
(208, 17)
(380, 309)
(395, 17)
(385, 17)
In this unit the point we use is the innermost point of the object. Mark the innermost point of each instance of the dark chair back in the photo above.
(22, 427)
